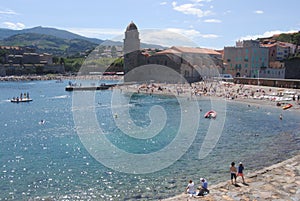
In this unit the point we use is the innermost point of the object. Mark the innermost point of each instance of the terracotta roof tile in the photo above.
(180, 49)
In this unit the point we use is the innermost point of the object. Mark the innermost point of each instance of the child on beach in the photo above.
(240, 171)
(233, 172)
(190, 188)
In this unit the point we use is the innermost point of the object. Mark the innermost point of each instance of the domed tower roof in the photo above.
(131, 27)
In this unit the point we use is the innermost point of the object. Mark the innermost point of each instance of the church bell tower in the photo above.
(131, 47)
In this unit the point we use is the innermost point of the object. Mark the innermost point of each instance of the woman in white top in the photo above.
(190, 189)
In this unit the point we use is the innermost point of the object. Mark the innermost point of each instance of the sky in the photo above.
(208, 23)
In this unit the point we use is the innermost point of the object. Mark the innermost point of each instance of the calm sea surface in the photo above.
(48, 160)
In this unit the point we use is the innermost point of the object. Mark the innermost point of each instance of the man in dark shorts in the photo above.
(233, 172)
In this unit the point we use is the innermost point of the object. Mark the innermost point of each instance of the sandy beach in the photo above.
(250, 94)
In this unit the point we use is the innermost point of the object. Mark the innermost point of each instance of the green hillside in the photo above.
(5, 33)
(289, 38)
(50, 44)
(293, 38)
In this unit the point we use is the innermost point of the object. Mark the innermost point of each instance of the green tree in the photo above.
(113, 51)
(296, 38)
(55, 60)
(62, 61)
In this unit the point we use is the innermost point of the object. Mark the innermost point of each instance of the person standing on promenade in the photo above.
(190, 189)
(240, 171)
(233, 172)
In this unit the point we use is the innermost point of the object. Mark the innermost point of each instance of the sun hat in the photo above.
(201, 179)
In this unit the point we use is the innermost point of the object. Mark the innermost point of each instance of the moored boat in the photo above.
(20, 100)
(89, 88)
(287, 106)
(210, 114)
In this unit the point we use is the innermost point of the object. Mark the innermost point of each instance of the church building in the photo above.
(186, 64)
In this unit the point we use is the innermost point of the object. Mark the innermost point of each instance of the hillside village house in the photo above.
(191, 63)
(245, 59)
(18, 61)
(253, 59)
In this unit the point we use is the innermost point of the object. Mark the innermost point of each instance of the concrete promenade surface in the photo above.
(277, 182)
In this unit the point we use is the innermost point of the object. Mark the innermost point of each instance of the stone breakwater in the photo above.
(277, 182)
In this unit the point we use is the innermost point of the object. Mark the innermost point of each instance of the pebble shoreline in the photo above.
(57, 77)
(277, 182)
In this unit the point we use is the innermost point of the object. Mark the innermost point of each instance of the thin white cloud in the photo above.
(8, 12)
(191, 9)
(101, 33)
(227, 12)
(259, 12)
(198, 1)
(212, 21)
(192, 33)
(163, 3)
(210, 36)
(16, 26)
(265, 35)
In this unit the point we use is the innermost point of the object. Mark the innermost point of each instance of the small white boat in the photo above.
(210, 114)
(20, 100)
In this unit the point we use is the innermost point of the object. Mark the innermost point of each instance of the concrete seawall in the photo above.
(277, 182)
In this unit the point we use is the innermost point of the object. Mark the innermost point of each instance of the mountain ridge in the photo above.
(60, 33)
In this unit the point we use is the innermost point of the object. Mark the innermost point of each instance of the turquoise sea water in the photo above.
(48, 160)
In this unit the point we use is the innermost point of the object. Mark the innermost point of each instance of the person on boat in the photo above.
(190, 189)
(233, 172)
(204, 187)
(240, 171)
